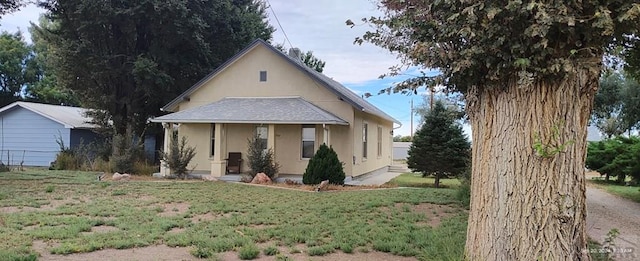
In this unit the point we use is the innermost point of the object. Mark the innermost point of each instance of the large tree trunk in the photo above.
(528, 204)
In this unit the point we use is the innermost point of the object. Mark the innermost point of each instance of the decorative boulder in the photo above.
(209, 178)
(261, 178)
(117, 176)
(322, 186)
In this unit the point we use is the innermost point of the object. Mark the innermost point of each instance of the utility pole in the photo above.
(411, 133)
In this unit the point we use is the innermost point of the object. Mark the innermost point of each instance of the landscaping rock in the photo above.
(209, 178)
(261, 178)
(322, 186)
(117, 176)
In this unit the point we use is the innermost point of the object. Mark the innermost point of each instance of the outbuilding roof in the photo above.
(268, 110)
(70, 117)
(343, 92)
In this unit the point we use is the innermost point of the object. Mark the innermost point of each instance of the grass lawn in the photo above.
(629, 192)
(66, 208)
(416, 180)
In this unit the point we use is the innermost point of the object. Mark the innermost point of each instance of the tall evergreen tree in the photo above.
(439, 147)
(126, 59)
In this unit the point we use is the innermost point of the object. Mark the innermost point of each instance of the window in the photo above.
(365, 131)
(263, 134)
(308, 141)
(379, 141)
(263, 76)
(213, 139)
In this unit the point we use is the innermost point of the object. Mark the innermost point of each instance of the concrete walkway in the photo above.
(374, 179)
(377, 179)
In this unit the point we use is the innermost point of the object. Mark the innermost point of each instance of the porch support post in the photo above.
(325, 134)
(218, 163)
(168, 131)
(271, 141)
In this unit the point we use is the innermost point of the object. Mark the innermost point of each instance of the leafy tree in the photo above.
(45, 88)
(324, 165)
(307, 58)
(128, 58)
(8, 6)
(15, 54)
(400, 138)
(529, 71)
(615, 108)
(439, 147)
(313, 62)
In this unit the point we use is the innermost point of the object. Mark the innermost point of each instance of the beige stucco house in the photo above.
(296, 109)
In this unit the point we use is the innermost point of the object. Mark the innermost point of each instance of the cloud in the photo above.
(19, 21)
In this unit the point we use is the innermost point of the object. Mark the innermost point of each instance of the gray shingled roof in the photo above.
(276, 110)
(343, 92)
(70, 117)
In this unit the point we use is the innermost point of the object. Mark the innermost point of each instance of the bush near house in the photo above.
(178, 156)
(261, 160)
(324, 165)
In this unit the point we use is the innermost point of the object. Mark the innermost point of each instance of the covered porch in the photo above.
(292, 127)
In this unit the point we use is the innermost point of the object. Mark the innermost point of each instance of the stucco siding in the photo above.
(30, 137)
(372, 161)
(198, 137)
(241, 79)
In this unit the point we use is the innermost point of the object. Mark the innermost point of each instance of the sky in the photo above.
(318, 26)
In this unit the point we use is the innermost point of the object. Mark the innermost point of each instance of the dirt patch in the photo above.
(150, 253)
(434, 212)
(174, 209)
(210, 216)
(176, 230)
(100, 229)
(336, 256)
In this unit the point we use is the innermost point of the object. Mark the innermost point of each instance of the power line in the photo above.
(279, 25)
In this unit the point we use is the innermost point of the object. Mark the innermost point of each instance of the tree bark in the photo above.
(528, 184)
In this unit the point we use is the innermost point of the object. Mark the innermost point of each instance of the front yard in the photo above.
(50, 213)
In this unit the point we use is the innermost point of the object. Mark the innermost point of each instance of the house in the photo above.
(29, 132)
(262, 91)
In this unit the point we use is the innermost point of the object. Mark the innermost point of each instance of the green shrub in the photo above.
(271, 251)
(50, 188)
(324, 165)
(463, 193)
(178, 156)
(261, 160)
(123, 154)
(248, 252)
(65, 160)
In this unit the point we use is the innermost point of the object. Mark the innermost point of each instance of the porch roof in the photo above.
(274, 110)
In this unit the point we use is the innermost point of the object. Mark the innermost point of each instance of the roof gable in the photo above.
(70, 117)
(333, 86)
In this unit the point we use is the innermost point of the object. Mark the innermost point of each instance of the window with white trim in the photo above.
(308, 141)
(365, 132)
(379, 141)
(263, 133)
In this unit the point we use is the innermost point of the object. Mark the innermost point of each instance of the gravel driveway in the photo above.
(606, 212)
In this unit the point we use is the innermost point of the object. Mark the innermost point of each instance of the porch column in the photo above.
(325, 134)
(218, 163)
(271, 141)
(168, 131)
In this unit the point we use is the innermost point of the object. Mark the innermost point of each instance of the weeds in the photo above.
(219, 217)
